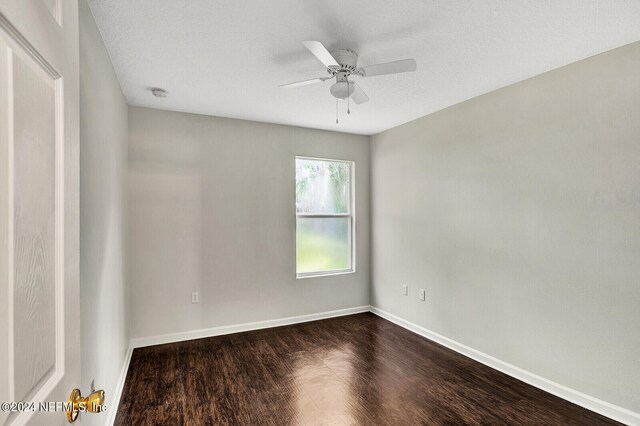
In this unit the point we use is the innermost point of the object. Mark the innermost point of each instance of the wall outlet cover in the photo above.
(422, 294)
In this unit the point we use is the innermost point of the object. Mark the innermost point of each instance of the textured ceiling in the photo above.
(226, 58)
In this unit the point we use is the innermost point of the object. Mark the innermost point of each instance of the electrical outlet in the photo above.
(423, 294)
(405, 290)
(194, 297)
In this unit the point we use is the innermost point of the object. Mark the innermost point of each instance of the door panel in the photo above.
(34, 330)
(54, 8)
(39, 206)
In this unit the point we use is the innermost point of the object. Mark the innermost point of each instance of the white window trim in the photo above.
(351, 214)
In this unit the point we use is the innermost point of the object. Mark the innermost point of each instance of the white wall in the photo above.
(103, 172)
(211, 209)
(519, 213)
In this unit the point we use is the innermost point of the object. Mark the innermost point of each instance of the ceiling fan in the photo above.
(343, 63)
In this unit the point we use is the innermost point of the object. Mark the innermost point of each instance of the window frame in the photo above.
(351, 214)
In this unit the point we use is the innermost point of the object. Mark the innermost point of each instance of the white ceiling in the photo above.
(226, 58)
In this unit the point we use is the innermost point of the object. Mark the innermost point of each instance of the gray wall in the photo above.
(103, 171)
(211, 209)
(519, 213)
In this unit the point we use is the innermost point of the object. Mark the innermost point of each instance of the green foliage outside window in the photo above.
(322, 187)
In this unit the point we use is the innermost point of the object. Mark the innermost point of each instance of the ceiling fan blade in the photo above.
(358, 95)
(321, 53)
(305, 82)
(394, 67)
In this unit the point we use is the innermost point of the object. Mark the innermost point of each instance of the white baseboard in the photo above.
(229, 329)
(114, 400)
(590, 403)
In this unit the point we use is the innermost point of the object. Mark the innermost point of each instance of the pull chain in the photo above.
(337, 111)
(348, 97)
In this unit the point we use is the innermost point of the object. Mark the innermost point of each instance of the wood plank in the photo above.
(357, 369)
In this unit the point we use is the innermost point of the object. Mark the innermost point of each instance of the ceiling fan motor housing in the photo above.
(347, 59)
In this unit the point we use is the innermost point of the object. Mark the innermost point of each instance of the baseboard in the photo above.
(590, 403)
(114, 401)
(237, 328)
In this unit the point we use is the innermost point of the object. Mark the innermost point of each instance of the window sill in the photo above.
(324, 274)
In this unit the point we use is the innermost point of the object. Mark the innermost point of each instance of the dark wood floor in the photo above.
(358, 369)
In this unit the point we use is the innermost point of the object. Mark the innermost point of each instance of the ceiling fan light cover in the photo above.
(342, 89)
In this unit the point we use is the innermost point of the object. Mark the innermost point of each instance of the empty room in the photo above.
(300, 212)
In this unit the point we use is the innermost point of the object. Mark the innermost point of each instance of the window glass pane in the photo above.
(322, 187)
(323, 244)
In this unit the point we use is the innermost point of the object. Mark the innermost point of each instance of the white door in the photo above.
(39, 207)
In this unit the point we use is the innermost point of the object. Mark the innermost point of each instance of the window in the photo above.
(324, 217)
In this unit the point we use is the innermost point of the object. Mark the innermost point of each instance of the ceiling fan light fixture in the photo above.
(342, 89)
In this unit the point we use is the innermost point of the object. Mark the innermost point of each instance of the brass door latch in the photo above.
(93, 403)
